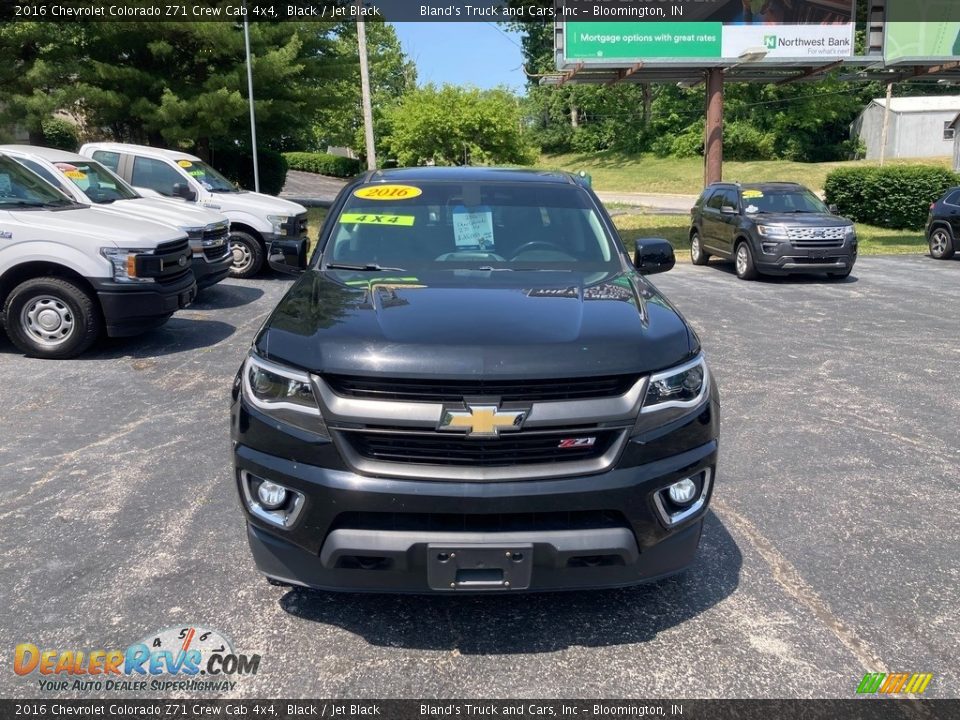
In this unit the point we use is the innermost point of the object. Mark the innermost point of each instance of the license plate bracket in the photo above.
(479, 567)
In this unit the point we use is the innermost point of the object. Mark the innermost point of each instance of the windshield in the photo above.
(95, 181)
(788, 200)
(21, 188)
(209, 178)
(471, 225)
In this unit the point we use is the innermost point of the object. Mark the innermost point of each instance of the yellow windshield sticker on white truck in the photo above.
(387, 192)
(184, 163)
(376, 219)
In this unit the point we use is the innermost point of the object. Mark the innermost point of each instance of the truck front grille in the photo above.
(463, 522)
(530, 448)
(164, 264)
(296, 226)
(401, 389)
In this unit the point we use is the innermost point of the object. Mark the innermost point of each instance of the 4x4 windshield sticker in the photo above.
(387, 192)
(752, 194)
(376, 219)
(473, 228)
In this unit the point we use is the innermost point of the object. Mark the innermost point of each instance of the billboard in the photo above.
(722, 31)
(922, 31)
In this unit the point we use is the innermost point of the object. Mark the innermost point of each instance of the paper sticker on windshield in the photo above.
(196, 173)
(75, 175)
(387, 192)
(375, 219)
(184, 163)
(751, 194)
(752, 209)
(473, 229)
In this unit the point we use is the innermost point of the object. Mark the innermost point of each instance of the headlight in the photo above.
(851, 232)
(277, 222)
(124, 262)
(683, 387)
(774, 232)
(282, 393)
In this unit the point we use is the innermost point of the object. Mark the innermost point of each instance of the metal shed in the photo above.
(918, 126)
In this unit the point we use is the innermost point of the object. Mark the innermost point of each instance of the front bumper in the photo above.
(362, 533)
(135, 308)
(210, 272)
(787, 259)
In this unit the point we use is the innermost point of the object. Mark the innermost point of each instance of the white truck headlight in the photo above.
(124, 264)
(277, 222)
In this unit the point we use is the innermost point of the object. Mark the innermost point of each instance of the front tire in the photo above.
(743, 261)
(247, 254)
(698, 256)
(941, 244)
(51, 318)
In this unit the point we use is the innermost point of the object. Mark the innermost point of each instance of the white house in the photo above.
(918, 126)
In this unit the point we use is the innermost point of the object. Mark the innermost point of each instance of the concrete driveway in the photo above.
(830, 551)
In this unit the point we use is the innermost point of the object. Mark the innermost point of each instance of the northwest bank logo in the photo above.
(184, 658)
(770, 42)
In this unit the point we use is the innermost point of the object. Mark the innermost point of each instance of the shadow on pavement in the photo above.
(222, 296)
(177, 335)
(533, 623)
(792, 279)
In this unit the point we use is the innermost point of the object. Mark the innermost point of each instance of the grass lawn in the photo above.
(675, 228)
(617, 172)
(315, 218)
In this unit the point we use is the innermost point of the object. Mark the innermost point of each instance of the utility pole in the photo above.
(253, 115)
(365, 91)
(886, 124)
(713, 134)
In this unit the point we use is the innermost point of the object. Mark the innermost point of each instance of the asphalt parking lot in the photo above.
(830, 551)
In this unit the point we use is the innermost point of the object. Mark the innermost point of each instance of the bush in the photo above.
(742, 141)
(895, 197)
(323, 164)
(59, 133)
(237, 164)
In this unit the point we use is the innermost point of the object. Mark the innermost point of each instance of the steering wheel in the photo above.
(536, 245)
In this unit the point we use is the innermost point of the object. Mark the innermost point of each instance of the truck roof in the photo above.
(49, 154)
(141, 150)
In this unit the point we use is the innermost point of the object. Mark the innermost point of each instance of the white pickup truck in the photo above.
(255, 219)
(87, 181)
(69, 272)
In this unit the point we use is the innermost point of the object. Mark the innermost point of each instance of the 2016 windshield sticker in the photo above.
(375, 219)
(751, 194)
(387, 192)
(473, 229)
(184, 163)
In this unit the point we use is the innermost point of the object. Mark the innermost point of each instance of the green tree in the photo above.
(456, 126)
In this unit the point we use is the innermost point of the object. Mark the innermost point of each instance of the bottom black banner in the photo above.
(867, 709)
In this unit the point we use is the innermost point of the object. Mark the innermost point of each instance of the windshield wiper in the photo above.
(369, 267)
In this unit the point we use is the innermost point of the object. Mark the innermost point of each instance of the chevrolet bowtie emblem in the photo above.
(487, 420)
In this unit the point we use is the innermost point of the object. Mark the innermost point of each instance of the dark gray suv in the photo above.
(771, 229)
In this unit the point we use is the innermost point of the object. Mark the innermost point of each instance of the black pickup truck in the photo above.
(473, 388)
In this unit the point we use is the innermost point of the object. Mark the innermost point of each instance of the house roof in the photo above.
(934, 103)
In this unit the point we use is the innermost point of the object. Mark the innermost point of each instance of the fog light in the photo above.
(273, 496)
(683, 492)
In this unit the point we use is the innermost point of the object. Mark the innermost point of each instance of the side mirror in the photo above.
(653, 255)
(728, 210)
(834, 210)
(182, 190)
(288, 256)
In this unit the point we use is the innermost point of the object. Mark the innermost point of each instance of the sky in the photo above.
(467, 53)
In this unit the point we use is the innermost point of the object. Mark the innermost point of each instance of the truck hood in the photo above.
(474, 324)
(169, 212)
(106, 228)
(804, 219)
(251, 202)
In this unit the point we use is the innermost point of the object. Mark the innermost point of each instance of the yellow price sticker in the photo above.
(75, 175)
(387, 192)
(749, 194)
(184, 163)
(376, 219)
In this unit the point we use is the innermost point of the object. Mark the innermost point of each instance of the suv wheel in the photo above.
(941, 244)
(51, 318)
(247, 254)
(743, 260)
(698, 256)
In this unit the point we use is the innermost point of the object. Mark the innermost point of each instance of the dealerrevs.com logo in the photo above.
(191, 659)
